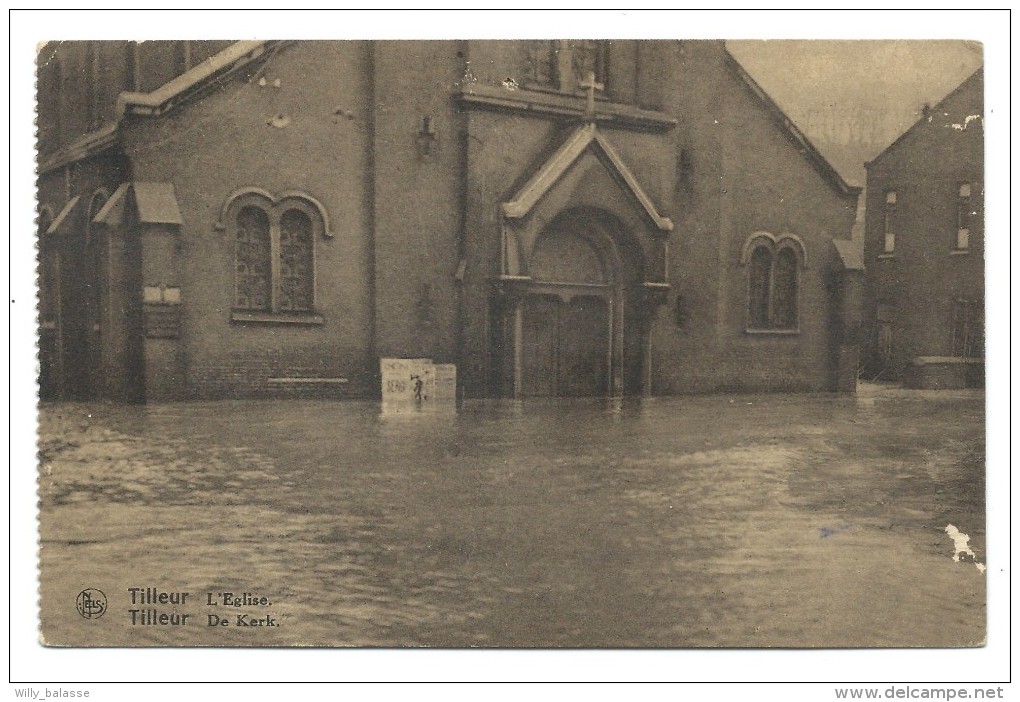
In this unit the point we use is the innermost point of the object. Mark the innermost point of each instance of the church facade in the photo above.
(557, 218)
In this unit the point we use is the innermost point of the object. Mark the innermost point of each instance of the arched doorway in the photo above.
(580, 326)
(83, 304)
(94, 279)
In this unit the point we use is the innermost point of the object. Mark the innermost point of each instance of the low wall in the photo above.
(944, 373)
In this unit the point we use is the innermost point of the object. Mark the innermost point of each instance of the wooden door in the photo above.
(583, 348)
(539, 346)
(565, 347)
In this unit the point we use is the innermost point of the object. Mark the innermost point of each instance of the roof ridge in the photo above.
(550, 172)
(816, 157)
(159, 100)
(156, 102)
(923, 118)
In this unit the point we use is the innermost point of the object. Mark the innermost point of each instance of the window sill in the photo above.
(283, 318)
(772, 332)
(882, 256)
(959, 252)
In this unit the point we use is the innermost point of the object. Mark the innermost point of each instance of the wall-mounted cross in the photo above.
(591, 85)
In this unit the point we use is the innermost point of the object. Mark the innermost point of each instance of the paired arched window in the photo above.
(773, 282)
(274, 251)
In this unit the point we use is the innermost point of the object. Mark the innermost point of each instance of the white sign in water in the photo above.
(445, 389)
(407, 380)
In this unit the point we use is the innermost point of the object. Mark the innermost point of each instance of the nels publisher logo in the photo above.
(91, 603)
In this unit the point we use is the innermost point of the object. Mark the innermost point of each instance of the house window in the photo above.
(773, 282)
(274, 253)
(887, 224)
(963, 214)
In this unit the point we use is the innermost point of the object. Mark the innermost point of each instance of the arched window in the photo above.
(253, 276)
(773, 282)
(274, 251)
(295, 261)
(784, 290)
(759, 287)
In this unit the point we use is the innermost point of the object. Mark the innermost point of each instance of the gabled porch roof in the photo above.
(583, 138)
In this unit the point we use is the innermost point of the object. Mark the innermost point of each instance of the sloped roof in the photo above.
(112, 211)
(57, 226)
(810, 152)
(851, 254)
(940, 105)
(87, 145)
(157, 203)
(552, 170)
(153, 203)
(241, 53)
(163, 98)
(159, 101)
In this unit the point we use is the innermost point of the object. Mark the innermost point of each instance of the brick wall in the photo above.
(745, 174)
(411, 183)
(306, 127)
(918, 285)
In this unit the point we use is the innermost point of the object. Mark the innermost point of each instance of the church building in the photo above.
(557, 218)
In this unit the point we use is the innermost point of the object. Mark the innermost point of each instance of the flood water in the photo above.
(724, 520)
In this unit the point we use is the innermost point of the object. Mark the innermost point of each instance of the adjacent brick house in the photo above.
(924, 247)
(256, 219)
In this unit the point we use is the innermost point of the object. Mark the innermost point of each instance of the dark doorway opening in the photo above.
(566, 347)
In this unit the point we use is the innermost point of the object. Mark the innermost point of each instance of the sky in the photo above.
(853, 98)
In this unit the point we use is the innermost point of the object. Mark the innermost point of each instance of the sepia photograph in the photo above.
(530, 343)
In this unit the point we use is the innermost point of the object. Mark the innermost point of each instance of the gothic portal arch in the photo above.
(579, 327)
(583, 267)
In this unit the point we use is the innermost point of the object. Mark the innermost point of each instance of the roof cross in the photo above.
(591, 85)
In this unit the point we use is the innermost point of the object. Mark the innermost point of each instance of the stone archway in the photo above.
(583, 192)
(580, 328)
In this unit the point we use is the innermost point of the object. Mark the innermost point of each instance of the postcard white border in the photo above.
(29, 661)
